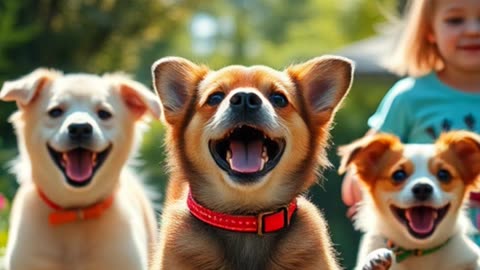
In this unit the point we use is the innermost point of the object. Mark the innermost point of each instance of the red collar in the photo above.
(62, 215)
(265, 222)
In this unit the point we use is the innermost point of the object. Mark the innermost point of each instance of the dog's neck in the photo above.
(402, 254)
(265, 222)
(62, 215)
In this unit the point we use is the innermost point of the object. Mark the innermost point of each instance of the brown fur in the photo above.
(314, 90)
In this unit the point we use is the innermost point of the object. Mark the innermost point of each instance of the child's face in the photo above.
(456, 32)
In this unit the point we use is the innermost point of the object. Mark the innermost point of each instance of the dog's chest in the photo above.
(247, 251)
(83, 245)
(75, 254)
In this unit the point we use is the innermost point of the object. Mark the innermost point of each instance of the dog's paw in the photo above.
(380, 259)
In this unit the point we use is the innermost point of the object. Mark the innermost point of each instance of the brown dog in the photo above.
(244, 144)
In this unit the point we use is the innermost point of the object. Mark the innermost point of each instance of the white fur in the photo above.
(122, 237)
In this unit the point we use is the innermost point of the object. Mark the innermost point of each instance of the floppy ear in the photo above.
(365, 152)
(25, 89)
(138, 98)
(324, 82)
(466, 148)
(175, 80)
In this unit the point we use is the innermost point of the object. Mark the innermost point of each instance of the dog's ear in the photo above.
(466, 147)
(367, 151)
(324, 82)
(138, 98)
(25, 89)
(175, 80)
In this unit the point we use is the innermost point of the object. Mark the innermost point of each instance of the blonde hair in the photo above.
(416, 55)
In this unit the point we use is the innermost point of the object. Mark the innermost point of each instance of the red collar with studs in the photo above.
(266, 222)
(62, 215)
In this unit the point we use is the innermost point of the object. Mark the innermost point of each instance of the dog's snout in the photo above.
(80, 132)
(422, 191)
(246, 101)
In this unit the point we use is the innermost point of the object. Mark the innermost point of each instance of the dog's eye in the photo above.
(278, 100)
(55, 112)
(399, 176)
(444, 175)
(104, 115)
(215, 98)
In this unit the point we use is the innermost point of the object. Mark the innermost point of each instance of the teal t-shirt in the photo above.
(419, 109)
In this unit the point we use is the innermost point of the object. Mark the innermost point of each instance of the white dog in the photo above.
(414, 198)
(78, 206)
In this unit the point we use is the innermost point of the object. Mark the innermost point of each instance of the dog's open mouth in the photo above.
(247, 152)
(421, 221)
(79, 165)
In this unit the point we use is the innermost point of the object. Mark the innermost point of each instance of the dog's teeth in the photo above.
(435, 215)
(229, 158)
(264, 155)
(263, 164)
(63, 162)
(94, 158)
(229, 155)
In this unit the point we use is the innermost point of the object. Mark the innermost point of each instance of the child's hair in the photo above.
(416, 55)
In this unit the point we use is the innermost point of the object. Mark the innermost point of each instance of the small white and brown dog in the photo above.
(78, 205)
(414, 200)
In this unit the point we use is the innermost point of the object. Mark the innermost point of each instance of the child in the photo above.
(440, 53)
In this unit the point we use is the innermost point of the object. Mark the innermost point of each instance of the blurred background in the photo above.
(100, 36)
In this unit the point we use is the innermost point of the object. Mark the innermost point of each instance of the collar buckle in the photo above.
(261, 220)
(80, 214)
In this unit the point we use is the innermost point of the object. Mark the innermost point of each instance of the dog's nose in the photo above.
(249, 102)
(80, 132)
(422, 192)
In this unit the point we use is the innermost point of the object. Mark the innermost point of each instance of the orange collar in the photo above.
(265, 222)
(62, 215)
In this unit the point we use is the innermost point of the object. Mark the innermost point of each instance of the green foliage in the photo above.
(152, 156)
(92, 36)
(4, 212)
(10, 34)
(358, 18)
(3, 242)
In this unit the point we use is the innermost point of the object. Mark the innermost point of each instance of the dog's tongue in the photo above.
(421, 219)
(246, 156)
(79, 165)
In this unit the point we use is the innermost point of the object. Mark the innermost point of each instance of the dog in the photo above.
(79, 206)
(244, 144)
(414, 198)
